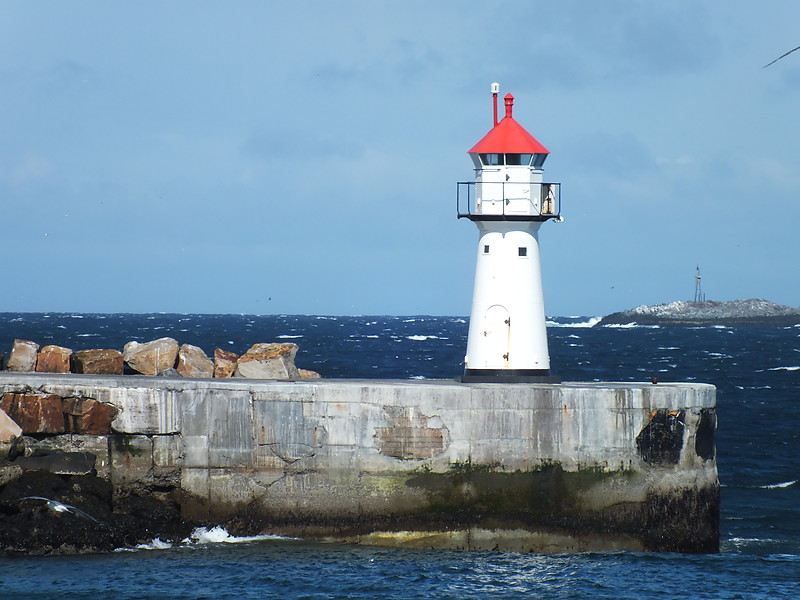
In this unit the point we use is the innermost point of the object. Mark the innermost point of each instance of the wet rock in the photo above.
(23, 356)
(34, 413)
(268, 361)
(53, 359)
(88, 416)
(98, 362)
(58, 462)
(153, 357)
(224, 363)
(193, 362)
(103, 521)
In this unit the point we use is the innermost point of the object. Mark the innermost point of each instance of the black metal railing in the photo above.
(508, 200)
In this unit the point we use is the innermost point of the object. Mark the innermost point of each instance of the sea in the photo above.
(756, 371)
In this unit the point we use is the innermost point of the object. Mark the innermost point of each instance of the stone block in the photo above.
(23, 356)
(193, 362)
(53, 359)
(34, 413)
(224, 363)
(145, 410)
(94, 444)
(98, 362)
(87, 415)
(131, 459)
(224, 416)
(195, 451)
(167, 451)
(151, 358)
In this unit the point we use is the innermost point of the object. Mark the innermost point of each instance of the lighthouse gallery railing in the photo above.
(508, 200)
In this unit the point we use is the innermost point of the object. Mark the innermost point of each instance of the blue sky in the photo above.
(301, 157)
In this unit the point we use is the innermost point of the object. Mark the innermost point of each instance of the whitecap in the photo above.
(583, 324)
(422, 338)
(784, 369)
(773, 486)
(88, 335)
(289, 337)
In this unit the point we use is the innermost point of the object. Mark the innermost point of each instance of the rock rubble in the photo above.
(164, 357)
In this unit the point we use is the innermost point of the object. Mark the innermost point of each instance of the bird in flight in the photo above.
(56, 507)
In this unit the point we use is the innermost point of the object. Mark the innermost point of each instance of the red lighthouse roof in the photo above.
(509, 137)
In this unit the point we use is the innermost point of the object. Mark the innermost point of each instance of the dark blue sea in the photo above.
(756, 371)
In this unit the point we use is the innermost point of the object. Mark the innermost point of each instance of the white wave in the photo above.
(633, 326)
(784, 369)
(288, 337)
(583, 324)
(88, 335)
(155, 544)
(422, 338)
(773, 486)
(220, 535)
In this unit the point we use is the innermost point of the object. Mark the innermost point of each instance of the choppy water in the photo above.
(756, 370)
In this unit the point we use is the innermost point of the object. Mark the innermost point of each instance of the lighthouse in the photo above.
(508, 201)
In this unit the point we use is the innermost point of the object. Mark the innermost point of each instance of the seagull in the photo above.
(56, 507)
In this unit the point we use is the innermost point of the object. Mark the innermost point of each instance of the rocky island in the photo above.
(752, 312)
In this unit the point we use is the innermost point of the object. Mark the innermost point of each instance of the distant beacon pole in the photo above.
(508, 202)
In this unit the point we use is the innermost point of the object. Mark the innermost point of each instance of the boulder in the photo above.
(8, 428)
(306, 374)
(33, 412)
(23, 356)
(153, 357)
(98, 362)
(224, 363)
(53, 359)
(268, 361)
(88, 416)
(193, 362)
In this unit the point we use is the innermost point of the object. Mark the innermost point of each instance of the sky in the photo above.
(269, 157)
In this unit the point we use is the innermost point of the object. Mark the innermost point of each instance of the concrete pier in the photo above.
(419, 463)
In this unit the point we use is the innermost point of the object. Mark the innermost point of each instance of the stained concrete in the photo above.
(422, 463)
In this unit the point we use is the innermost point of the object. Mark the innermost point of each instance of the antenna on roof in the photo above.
(495, 91)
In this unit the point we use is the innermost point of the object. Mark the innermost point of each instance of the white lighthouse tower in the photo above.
(508, 202)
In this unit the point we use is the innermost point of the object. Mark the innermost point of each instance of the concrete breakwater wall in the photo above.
(557, 467)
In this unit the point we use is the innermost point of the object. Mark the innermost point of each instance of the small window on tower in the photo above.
(522, 251)
(486, 249)
(492, 159)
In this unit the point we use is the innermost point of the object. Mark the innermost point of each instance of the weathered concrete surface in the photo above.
(530, 467)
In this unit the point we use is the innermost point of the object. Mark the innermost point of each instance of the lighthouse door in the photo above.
(497, 333)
